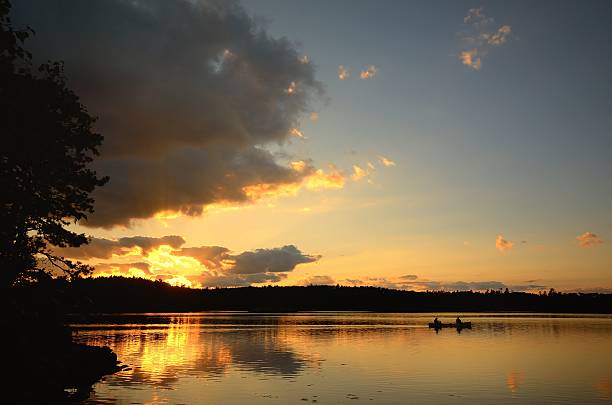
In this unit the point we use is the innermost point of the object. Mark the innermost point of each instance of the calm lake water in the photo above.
(240, 358)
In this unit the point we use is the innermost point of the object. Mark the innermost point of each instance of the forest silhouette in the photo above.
(124, 294)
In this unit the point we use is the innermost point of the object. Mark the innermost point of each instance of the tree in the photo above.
(48, 144)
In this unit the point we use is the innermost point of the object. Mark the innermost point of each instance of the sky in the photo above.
(417, 145)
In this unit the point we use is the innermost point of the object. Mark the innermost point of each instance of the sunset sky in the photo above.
(417, 145)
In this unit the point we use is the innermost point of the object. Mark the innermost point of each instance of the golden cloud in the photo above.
(369, 72)
(359, 173)
(502, 244)
(313, 179)
(480, 37)
(343, 72)
(470, 59)
(320, 179)
(209, 265)
(297, 133)
(588, 239)
(500, 36)
(292, 88)
(386, 162)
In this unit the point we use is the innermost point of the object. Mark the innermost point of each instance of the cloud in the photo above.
(317, 280)
(165, 258)
(412, 282)
(359, 173)
(297, 133)
(258, 266)
(211, 257)
(386, 162)
(320, 179)
(500, 36)
(100, 248)
(343, 72)
(314, 116)
(276, 260)
(467, 286)
(476, 18)
(480, 36)
(369, 72)
(352, 281)
(311, 179)
(502, 244)
(189, 95)
(137, 269)
(470, 59)
(225, 280)
(588, 239)
(527, 287)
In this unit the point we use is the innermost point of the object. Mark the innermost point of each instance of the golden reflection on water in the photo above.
(514, 380)
(604, 387)
(388, 358)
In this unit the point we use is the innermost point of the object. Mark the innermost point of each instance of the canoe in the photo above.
(461, 325)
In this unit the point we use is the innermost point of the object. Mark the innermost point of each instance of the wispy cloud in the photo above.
(500, 36)
(502, 244)
(480, 36)
(470, 58)
(359, 173)
(317, 280)
(412, 282)
(292, 88)
(343, 72)
(369, 72)
(386, 162)
(296, 133)
(589, 239)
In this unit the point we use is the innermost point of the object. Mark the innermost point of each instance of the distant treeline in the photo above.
(121, 294)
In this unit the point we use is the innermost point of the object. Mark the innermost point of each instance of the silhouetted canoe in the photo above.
(462, 325)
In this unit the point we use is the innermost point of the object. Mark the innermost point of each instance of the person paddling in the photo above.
(458, 321)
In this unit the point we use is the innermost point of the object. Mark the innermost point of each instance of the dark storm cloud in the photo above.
(100, 248)
(182, 181)
(187, 93)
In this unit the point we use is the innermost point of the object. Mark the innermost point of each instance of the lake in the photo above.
(351, 358)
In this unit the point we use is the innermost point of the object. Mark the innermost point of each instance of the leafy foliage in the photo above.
(48, 144)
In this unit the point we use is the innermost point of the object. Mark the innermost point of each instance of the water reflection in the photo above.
(603, 386)
(390, 358)
(514, 380)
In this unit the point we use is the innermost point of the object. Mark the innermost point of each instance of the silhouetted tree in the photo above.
(47, 146)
